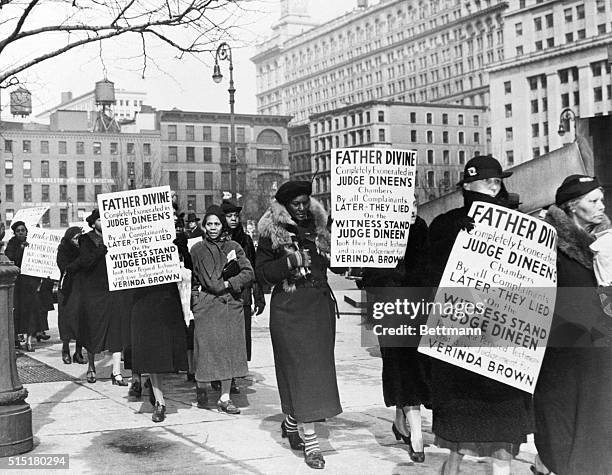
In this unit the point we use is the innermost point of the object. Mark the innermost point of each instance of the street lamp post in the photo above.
(566, 116)
(224, 52)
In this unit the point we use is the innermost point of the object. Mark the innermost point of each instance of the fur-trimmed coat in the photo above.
(574, 390)
(280, 235)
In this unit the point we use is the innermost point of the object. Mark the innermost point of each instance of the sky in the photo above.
(168, 82)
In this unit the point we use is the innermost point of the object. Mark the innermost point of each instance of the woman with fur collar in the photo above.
(574, 390)
(292, 256)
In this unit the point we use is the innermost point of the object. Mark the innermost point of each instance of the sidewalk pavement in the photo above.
(103, 432)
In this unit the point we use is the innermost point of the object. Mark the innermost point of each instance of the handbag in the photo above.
(231, 269)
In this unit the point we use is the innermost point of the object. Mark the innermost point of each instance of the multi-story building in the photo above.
(65, 166)
(557, 56)
(394, 50)
(127, 103)
(299, 153)
(196, 158)
(444, 136)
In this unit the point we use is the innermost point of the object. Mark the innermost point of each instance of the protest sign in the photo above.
(138, 230)
(372, 199)
(40, 256)
(493, 309)
(30, 216)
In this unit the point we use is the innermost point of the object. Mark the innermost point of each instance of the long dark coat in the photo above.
(302, 316)
(26, 304)
(219, 351)
(102, 311)
(405, 372)
(68, 298)
(253, 292)
(471, 411)
(573, 397)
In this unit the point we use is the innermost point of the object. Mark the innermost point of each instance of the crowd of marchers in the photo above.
(208, 335)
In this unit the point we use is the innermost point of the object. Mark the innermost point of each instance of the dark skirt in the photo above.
(68, 315)
(157, 331)
(247, 329)
(100, 326)
(27, 309)
(405, 377)
(303, 330)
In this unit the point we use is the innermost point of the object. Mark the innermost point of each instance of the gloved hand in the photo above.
(299, 259)
(466, 224)
(259, 308)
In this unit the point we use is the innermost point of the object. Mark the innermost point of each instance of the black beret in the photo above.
(16, 224)
(292, 189)
(575, 186)
(91, 219)
(229, 207)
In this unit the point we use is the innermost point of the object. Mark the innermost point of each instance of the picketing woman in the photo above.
(574, 390)
(222, 272)
(405, 371)
(472, 414)
(102, 311)
(292, 251)
(26, 303)
(68, 298)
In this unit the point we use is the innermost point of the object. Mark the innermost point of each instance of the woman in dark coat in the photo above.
(573, 396)
(102, 310)
(26, 305)
(223, 271)
(293, 241)
(68, 298)
(472, 414)
(405, 370)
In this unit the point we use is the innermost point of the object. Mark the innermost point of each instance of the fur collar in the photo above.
(572, 240)
(273, 224)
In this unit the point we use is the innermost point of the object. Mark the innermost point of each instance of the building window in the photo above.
(545, 129)
(172, 132)
(461, 157)
(430, 136)
(508, 108)
(27, 168)
(223, 134)
(577, 98)
(207, 154)
(146, 170)
(533, 83)
(114, 169)
(62, 148)
(445, 119)
(241, 135)
(412, 118)
(460, 119)
(191, 202)
(597, 94)
(80, 169)
(191, 180)
(97, 169)
(63, 192)
(507, 87)
(444, 137)
(63, 169)
(476, 121)
(461, 137)
(509, 158)
(190, 154)
(476, 137)
(536, 152)
(550, 42)
(429, 118)
(8, 168)
(508, 133)
(27, 193)
(601, 29)
(580, 12)
(64, 217)
(80, 192)
(208, 180)
(80, 148)
(381, 135)
(431, 179)
(413, 135)
(538, 45)
(44, 169)
(172, 154)
(518, 28)
(569, 37)
(581, 34)
(146, 149)
(568, 15)
(173, 180)
(381, 116)
(206, 133)
(27, 146)
(189, 133)
(131, 150)
(565, 100)
(445, 157)
(549, 20)
(535, 130)
(114, 148)
(519, 50)
(131, 171)
(97, 148)
(44, 146)
(8, 146)
(8, 192)
(601, 6)
(537, 24)
(225, 181)
(97, 191)
(534, 106)
(8, 215)
(430, 157)
(44, 193)
(225, 155)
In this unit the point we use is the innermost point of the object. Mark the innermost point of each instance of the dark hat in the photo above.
(292, 189)
(575, 186)
(217, 211)
(229, 207)
(16, 224)
(191, 217)
(91, 219)
(481, 168)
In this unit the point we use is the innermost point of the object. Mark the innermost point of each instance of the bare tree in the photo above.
(187, 26)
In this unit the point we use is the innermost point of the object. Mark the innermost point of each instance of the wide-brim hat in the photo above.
(292, 189)
(16, 224)
(93, 217)
(481, 168)
(229, 207)
(191, 217)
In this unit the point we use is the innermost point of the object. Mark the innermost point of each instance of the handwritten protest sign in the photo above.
(495, 302)
(30, 216)
(138, 230)
(40, 256)
(372, 193)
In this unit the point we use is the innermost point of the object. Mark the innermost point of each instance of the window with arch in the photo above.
(270, 137)
(430, 157)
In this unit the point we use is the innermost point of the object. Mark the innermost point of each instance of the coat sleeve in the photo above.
(442, 237)
(12, 252)
(271, 266)
(246, 275)
(89, 255)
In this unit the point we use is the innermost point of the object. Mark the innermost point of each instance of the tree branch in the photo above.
(20, 23)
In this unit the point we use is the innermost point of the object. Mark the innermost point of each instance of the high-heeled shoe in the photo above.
(295, 441)
(91, 377)
(66, 358)
(535, 471)
(315, 460)
(159, 414)
(78, 358)
(234, 389)
(117, 380)
(418, 457)
(201, 397)
(29, 347)
(399, 436)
